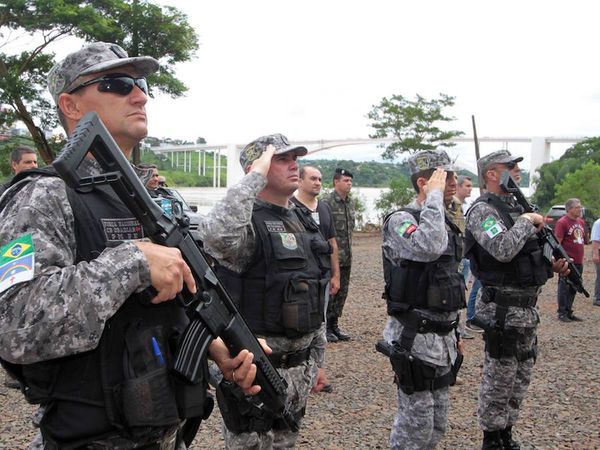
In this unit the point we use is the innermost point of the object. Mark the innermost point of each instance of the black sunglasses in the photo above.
(116, 83)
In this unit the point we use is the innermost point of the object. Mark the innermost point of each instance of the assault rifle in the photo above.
(211, 310)
(549, 242)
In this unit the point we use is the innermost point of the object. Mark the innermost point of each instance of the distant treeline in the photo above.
(376, 174)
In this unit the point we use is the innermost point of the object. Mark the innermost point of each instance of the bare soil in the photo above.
(561, 410)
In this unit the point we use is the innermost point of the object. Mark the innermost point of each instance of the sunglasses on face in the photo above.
(116, 83)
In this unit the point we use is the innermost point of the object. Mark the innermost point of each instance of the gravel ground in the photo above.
(561, 410)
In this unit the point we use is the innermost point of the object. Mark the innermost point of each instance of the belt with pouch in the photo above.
(286, 360)
(528, 300)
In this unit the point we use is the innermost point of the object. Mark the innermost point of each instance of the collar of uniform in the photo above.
(338, 198)
(415, 204)
(274, 207)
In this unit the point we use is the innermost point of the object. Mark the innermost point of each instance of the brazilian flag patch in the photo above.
(405, 229)
(491, 227)
(17, 259)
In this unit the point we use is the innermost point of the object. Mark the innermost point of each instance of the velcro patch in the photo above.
(492, 227)
(17, 262)
(275, 226)
(122, 229)
(405, 229)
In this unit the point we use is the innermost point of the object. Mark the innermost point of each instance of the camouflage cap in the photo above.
(94, 58)
(254, 149)
(497, 157)
(430, 159)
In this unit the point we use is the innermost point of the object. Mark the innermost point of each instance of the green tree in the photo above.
(583, 184)
(554, 173)
(140, 27)
(400, 194)
(412, 124)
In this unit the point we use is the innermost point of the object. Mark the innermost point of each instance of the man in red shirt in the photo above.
(570, 232)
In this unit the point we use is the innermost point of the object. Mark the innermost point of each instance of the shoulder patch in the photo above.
(405, 229)
(491, 227)
(17, 260)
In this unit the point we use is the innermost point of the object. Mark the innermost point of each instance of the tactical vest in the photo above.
(121, 387)
(527, 268)
(283, 290)
(435, 285)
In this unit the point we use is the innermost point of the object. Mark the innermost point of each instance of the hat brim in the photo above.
(299, 150)
(144, 65)
(450, 167)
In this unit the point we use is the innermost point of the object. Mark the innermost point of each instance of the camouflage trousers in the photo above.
(421, 419)
(503, 386)
(300, 381)
(336, 302)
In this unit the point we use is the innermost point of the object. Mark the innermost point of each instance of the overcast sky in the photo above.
(314, 69)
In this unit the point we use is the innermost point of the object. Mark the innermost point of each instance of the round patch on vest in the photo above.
(289, 241)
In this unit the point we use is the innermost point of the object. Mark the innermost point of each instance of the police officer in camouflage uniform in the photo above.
(506, 257)
(422, 249)
(77, 331)
(276, 267)
(343, 216)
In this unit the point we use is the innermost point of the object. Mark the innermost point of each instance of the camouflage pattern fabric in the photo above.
(62, 311)
(254, 149)
(300, 381)
(343, 218)
(421, 420)
(234, 248)
(504, 381)
(421, 417)
(503, 387)
(336, 303)
(454, 210)
(342, 212)
(94, 58)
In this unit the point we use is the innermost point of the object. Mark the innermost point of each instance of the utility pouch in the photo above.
(446, 290)
(147, 393)
(193, 400)
(148, 400)
(500, 343)
(239, 412)
(302, 310)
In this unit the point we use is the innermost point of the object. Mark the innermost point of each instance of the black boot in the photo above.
(507, 441)
(339, 333)
(330, 334)
(492, 441)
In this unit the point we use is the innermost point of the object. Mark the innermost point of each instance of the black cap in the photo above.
(344, 172)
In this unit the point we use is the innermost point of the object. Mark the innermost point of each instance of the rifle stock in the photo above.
(211, 310)
(547, 237)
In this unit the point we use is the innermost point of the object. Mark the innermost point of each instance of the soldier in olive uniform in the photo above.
(343, 217)
(422, 248)
(506, 257)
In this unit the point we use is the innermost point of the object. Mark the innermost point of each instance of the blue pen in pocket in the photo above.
(157, 352)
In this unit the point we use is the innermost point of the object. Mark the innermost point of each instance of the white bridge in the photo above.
(181, 156)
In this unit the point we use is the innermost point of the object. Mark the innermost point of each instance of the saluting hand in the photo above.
(437, 181)
(262, 164)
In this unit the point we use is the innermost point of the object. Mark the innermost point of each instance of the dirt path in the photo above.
(562, 408)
